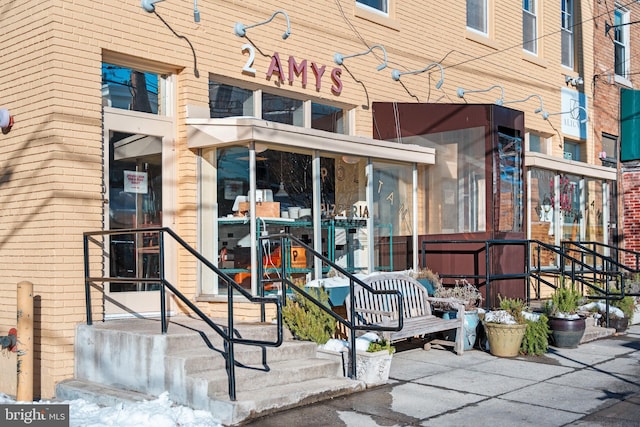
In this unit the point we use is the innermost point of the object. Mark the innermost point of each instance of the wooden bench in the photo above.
(418, 317)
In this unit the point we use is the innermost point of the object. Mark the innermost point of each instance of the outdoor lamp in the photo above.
(6, 120)
(339, 58)
(462, 92)
(395, 74)
(241, 30)
(545, 115)
(536, 111)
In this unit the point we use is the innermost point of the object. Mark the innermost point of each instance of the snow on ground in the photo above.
(155, 413)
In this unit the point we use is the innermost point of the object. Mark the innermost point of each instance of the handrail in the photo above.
(285, 238)
(228, 334)
(575, 267)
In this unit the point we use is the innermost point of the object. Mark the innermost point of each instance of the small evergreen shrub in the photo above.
(383, 344)
(536, 337)
(307, 321)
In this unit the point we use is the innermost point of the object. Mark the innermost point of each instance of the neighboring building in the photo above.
(125, 118)
(615, 104)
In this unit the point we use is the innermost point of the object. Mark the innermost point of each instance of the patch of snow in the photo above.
(161, 412)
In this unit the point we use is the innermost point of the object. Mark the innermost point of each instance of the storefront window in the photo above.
(130, 89)
(325, 117)
(282, 110)
(229, 101)
(456, 183)
(511, 196)
(392, 214)
(568, 201)
(542, 228)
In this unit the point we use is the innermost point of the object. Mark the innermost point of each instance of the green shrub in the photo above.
(380, 345)
(626, 304)
(536, 337)
(565, 299)
(307, 321)
(515, 307)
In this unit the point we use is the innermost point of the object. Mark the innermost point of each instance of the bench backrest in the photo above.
(376, 309)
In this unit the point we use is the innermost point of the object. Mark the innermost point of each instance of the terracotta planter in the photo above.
(504, 340)
(566, 333)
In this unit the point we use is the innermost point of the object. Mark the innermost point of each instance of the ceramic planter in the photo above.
(566, 333)
(471, 322)
(504, 340)
(373, 368)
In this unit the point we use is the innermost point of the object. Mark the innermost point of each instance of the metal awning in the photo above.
(203, 133)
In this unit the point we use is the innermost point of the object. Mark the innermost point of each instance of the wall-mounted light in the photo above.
(339, 58)
(6, 120)
(150, 6)
(536, 111)
(545, 115)
(462, 92)
(573, 81)
(241, 30)
(395, 74)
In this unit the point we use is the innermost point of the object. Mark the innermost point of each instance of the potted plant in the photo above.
(472, 299)
(567, 326)
(626, 305)
(505, 328)
(374, 364)
(427, 278)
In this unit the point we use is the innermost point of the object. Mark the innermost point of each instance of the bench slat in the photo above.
(418, 318)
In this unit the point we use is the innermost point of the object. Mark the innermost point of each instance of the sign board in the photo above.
(135, 182)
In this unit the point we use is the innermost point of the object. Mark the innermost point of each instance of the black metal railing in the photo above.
(587, 264)
(100, 239)
(287, 288)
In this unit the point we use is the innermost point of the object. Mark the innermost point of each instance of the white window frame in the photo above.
(531, 39)
(484, 5)
(621, 39)
(566, 28)
(384, 10)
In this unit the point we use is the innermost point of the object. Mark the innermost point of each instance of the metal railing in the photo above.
(287, 288)
(584, 263)
(229, 335)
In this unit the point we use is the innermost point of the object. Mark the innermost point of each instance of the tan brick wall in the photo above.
(51, 162)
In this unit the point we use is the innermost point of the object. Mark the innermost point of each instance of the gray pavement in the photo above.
(596, 384)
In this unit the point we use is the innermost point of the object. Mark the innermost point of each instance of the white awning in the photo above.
(203, 133)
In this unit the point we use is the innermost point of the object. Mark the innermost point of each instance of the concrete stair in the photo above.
(128, 360)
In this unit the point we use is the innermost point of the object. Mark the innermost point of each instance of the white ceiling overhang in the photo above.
(203, 133)
(542, 161)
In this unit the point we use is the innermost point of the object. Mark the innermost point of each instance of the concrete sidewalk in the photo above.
(596, 384)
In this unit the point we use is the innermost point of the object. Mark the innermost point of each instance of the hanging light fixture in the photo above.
(339, 58)
(281, 191)
(462, 92)
(240, 29)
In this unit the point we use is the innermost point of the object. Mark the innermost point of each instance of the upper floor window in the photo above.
(530, 26)
(609, 153)
(537, 143)
(379, 5)
(567, 41)
(477, 15)
(572, 151)
(621, 42)
(131, 89)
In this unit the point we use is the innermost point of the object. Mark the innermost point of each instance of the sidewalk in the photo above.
(596, 384)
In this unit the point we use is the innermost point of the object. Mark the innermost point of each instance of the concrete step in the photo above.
(251, 405)
(206, 359)
(278, 373)
(248, 405)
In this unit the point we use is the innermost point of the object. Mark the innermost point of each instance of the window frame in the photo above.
(566, 28)
(383, 10)
(530, 8)
(621, 40)
(482, 4)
